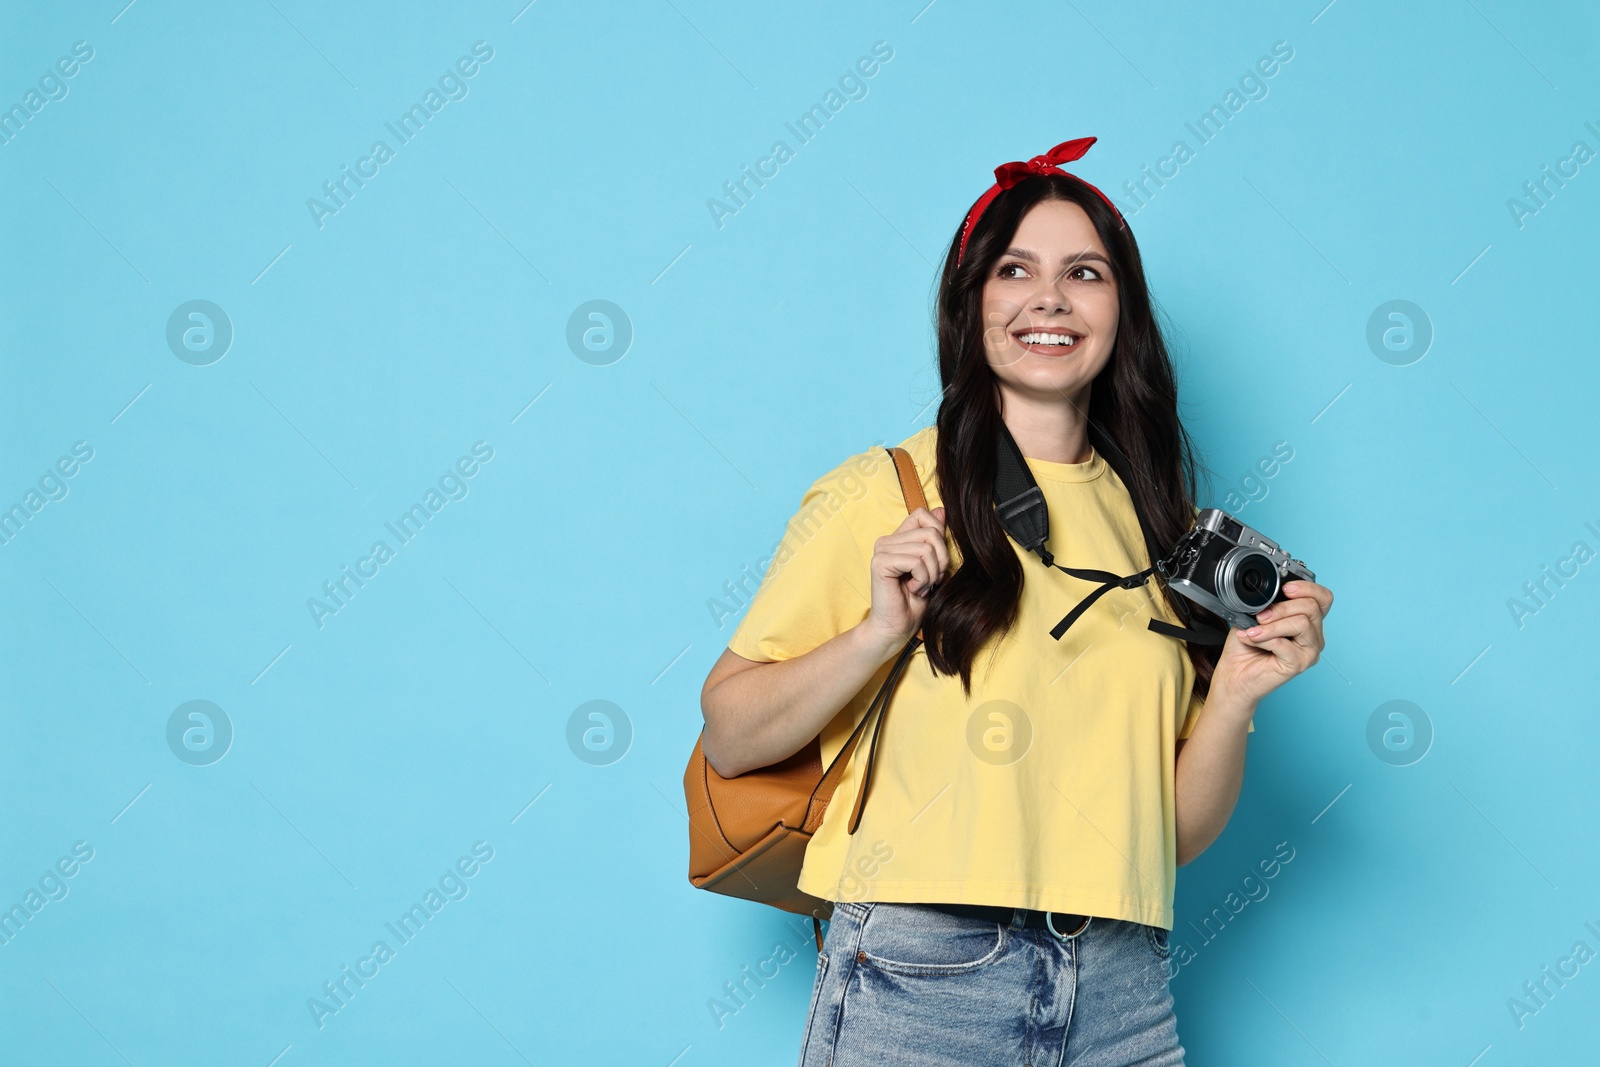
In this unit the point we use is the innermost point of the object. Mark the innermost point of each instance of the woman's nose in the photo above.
(1050, 298)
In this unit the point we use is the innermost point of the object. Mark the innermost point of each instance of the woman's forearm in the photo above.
(764, 714)
(1209, 772)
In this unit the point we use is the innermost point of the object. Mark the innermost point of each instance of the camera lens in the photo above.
(1248, 580)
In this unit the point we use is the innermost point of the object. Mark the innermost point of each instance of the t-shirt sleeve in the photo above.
(816, 587)
(1197, 705)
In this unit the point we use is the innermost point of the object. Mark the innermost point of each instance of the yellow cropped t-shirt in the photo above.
(1051, 785)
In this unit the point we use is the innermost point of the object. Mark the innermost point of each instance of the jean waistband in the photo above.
(1063, 924)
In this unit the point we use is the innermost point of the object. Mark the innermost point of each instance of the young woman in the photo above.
(1007, 894)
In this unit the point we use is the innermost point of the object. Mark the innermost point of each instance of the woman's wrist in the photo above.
(875, 645)
(1234, 710)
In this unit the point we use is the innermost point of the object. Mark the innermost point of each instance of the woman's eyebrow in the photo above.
(1023, 253)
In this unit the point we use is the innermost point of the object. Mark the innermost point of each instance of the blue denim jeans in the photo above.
(904, 984)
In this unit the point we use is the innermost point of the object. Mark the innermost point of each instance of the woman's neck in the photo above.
(1054, 430)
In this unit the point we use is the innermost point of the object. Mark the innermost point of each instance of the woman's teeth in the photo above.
(1064, 340)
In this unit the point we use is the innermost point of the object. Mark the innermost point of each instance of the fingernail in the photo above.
(1254, 631)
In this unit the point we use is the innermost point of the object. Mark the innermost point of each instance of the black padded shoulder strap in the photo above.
(1017, 498)
(1022, 510)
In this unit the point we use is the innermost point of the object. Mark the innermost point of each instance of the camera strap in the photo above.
(1022, 510)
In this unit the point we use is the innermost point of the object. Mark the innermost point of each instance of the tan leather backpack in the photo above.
(748, 834)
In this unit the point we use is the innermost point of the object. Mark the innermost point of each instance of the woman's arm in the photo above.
(1210, 770)
(759, 713)
(1210, 762)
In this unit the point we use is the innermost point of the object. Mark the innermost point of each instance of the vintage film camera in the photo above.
(1230, 569)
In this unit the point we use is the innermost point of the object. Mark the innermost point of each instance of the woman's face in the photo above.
(1052, 285)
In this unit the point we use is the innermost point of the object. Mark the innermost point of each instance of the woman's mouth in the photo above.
(1048, 342)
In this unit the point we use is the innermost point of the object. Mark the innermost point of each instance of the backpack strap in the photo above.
(872, 752)
(830, 778)
(911, 490)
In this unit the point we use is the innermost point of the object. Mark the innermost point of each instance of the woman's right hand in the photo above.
(905, 567)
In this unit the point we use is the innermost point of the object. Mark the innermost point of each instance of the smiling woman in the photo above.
(1041, 354)
(1052, 777)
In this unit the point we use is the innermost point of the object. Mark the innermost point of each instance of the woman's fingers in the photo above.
(905, 565)
(1304, 604)
(1287, 648)
(1300, 589)
(920, 565)
(1303, 607)
(921, 517)
(923, 525)
(929, 540)
(896, 563)
(925, 540)
(1288, 652)
(1295, 627)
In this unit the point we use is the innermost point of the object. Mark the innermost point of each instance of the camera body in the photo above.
(1230, 569)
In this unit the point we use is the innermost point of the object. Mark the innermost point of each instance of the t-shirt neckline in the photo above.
(1087, 471)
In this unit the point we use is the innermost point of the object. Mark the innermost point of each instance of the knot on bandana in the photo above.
(1008, 174)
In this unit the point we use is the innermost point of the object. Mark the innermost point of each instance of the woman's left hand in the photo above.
(1289, 641)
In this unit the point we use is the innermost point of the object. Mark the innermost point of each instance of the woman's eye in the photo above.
(1091, 270)
(1005, 269)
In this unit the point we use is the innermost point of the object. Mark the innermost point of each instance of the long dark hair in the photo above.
(1134, 401)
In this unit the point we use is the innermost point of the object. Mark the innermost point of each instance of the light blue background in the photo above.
(432, 310)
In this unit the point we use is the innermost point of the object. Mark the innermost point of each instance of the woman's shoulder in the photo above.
(865, 486)
(869, 477)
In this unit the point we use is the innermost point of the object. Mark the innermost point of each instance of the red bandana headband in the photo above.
(1008, 174)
